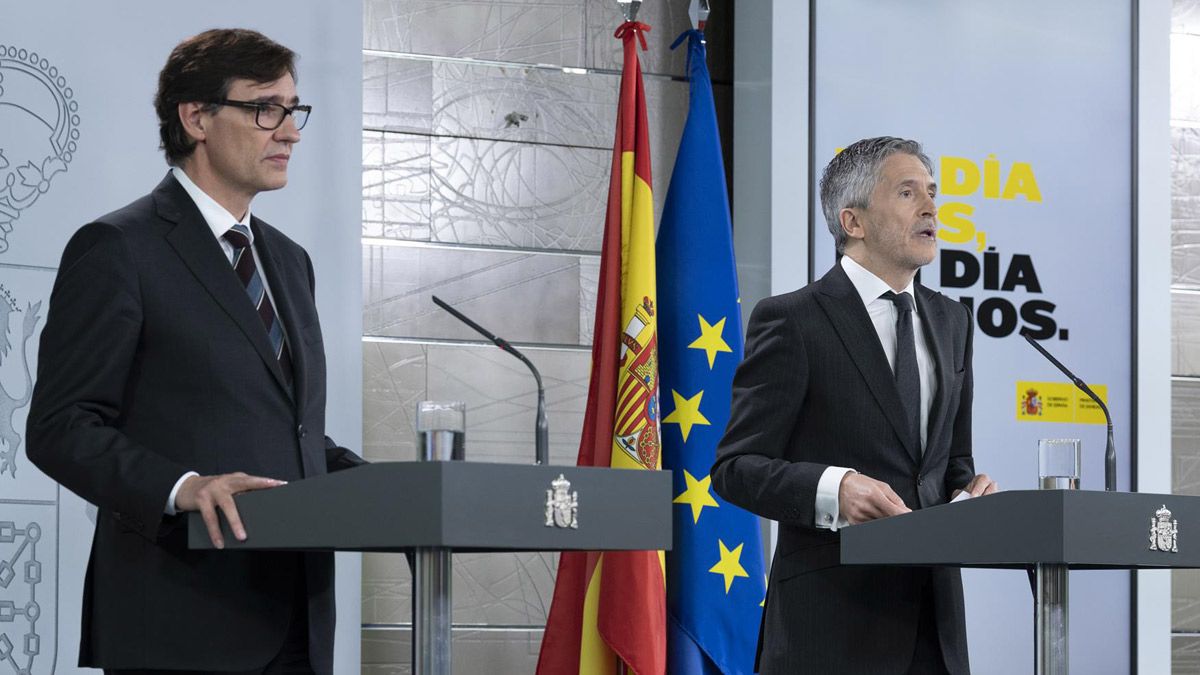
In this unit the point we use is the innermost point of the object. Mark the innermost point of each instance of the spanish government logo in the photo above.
(562, 505)
(1164, 531)
(1031, 403)
(39, 129)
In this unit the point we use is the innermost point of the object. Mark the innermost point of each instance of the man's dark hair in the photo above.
(202, 68)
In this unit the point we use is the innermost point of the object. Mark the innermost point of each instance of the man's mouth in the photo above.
(930, 232)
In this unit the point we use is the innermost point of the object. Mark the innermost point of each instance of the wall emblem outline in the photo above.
(39, 131)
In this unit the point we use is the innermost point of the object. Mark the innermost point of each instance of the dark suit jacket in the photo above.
(153, 363)
(815, 390)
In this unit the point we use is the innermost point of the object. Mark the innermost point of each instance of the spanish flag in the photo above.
(608, 614)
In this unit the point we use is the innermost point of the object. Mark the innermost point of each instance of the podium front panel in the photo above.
(464, 506)
(1081, 528)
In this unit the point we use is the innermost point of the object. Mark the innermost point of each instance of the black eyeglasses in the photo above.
(270, 116)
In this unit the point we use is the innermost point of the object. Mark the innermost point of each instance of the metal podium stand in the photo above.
(1050, 531)
(437, 507)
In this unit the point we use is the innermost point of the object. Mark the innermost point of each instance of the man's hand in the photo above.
(862, 498)
(979, 486)
(206, 494)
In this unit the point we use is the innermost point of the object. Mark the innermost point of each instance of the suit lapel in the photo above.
(849, 317)
(283, 287)
(194, 243)
(933, 322)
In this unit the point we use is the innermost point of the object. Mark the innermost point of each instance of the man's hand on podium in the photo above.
(979, 486)
(862, 498)
(206, 494)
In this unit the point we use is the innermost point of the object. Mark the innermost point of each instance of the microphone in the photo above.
(1110, 451)
(542, 429)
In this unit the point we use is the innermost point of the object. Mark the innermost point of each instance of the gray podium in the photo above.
(1049, 531)
(430, 509)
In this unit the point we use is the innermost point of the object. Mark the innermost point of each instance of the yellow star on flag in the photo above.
(710, 340)
(696, 495)
(729, 566)
(686, 413)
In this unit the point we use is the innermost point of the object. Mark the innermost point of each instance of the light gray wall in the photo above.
(1185, 309)
(504, 221)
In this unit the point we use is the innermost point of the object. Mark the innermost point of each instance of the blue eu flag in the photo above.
(715, 579)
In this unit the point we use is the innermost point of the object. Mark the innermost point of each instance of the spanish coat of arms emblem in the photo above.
(39, 131)
(637, 420)
(1031, 403)
(1164, 531)
(562, 505)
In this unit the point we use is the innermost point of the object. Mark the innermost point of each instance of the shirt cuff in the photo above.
(170, 507)
(829, 512)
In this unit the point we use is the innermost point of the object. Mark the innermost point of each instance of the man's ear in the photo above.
(194, 119)
(851, 223)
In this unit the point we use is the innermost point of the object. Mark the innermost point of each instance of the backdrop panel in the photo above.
(78, 138)
(1024, 107)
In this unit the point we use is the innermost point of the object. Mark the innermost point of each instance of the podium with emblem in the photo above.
(430, 509)
(1046, 531)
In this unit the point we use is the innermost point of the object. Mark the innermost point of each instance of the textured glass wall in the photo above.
(1185, 309)
(485, 178)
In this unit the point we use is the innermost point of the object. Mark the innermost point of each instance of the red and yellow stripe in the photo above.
(609, 610)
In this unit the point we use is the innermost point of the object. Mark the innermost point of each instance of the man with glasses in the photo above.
(182, 364)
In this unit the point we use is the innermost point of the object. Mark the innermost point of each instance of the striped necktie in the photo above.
(243, 263)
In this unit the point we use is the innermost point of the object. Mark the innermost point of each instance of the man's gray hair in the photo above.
(851, 177)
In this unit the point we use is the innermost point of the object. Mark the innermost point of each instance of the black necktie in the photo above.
(908, 378)
(243, 263)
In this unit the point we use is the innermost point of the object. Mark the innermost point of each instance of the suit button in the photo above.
(301, 432)
(920, 481)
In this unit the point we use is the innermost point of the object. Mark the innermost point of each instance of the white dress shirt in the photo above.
(220, 221)
(883, 316)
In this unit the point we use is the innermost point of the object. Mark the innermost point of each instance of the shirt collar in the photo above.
(869, 286)
(218, 219)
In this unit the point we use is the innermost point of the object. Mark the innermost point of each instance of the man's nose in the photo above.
(928, 207)
(287, 132)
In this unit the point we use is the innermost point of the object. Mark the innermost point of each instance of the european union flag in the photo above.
(715, 577)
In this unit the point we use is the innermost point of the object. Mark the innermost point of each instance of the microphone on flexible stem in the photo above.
(542, 430)
(1110, 451)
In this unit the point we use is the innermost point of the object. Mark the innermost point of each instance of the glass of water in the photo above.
(441, 431)
(1059, 461)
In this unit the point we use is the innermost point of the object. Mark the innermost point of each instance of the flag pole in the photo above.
(630, 8)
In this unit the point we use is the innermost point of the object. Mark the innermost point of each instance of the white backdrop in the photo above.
(1006, 97)
(78, 138)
